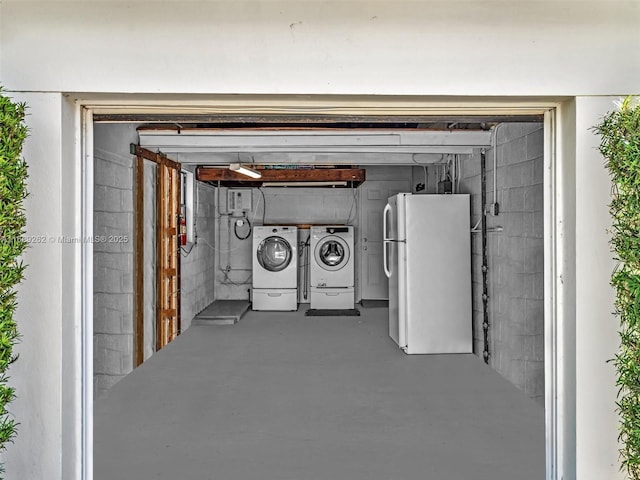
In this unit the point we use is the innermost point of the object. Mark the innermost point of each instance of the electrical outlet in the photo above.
(492, 209)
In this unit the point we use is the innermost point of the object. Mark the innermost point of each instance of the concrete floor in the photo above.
(281, 396)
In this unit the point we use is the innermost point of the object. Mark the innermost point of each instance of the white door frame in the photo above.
(86, 331)
(558, 368)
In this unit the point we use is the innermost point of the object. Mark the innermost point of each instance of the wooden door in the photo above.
(167, 253)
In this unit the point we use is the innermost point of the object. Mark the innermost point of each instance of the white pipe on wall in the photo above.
(494, 145)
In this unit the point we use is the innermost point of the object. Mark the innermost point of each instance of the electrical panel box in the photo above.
(239, 200)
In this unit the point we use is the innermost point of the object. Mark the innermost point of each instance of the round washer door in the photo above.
(274, 254)
(332, 253)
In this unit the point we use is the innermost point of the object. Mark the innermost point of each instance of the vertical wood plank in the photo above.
(167, 251)
(160, 234)
(139, 261)
(178, 197)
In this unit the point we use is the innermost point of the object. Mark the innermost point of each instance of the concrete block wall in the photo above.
(515, 255)
(113, 261)
(113, 269)
(283, 206)
(197, 275)
(288, 206)
(149, 255)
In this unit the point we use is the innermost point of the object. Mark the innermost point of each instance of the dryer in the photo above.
(332, 267)
(275, 268)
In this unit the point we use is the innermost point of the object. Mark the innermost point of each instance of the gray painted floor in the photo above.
(281, 396)
(222, 312)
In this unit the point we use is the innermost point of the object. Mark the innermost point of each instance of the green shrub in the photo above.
(13, 175)
(620, 145)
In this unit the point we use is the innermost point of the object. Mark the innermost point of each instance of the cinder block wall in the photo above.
(113, 256)
(283, 206)
(288, 206)
(197, 275)
(149, 255)
(515, 256)
(470, 183)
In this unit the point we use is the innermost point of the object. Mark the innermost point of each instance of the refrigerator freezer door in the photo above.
(386, 243)
(390, 219)
(390, 262)
(394, 266)
(394, 296)
(438, 274)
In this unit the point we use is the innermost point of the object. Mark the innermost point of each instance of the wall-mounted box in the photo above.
(239, 200)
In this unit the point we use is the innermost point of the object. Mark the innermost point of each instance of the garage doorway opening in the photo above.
(510, 199)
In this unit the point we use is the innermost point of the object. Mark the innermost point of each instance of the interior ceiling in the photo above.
(313, 139)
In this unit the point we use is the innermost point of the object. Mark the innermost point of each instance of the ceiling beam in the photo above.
(354, 176)
(318, 141)
(314, 158)
(265, 120)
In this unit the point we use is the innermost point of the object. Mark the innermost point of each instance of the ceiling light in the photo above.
(304, 184)
(236, 167)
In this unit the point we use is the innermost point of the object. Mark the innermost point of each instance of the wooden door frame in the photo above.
(138, 216)
(167, 260)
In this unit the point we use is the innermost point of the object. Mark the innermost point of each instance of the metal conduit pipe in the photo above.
(228, 268)
(306, 260)
(218, 226)
(485, 264)
(495, 209)
(218, 251)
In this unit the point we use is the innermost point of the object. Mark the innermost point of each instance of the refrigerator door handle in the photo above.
(386, 211)
(385, 258)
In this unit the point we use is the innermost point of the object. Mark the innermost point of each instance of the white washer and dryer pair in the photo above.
(275, 268)
(332, 267)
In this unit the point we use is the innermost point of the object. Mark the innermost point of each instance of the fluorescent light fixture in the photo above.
(305, 184)
(236, 167)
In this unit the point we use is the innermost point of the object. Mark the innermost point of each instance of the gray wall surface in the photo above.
(515, 255)
(113, 261)
(287, 206)
(283, 206)
(114, 258)
(149, 256)
(197, 267)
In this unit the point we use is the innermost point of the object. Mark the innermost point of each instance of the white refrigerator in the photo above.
(427, 257)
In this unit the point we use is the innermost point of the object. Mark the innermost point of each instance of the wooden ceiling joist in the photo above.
(158, 158)
(291, 176)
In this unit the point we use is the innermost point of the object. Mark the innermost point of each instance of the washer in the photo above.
(332, 267)
(275, 268)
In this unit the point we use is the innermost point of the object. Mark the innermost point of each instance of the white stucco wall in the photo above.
(38, 375)
(426, 48)
(596, 337)
(439, 47)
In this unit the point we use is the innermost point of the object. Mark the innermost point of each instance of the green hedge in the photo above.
(620, 145)
(13, 175)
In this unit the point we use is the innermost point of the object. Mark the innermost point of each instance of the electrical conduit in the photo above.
(485, 266)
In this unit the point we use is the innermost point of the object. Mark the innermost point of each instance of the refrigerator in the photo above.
(427, 258)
